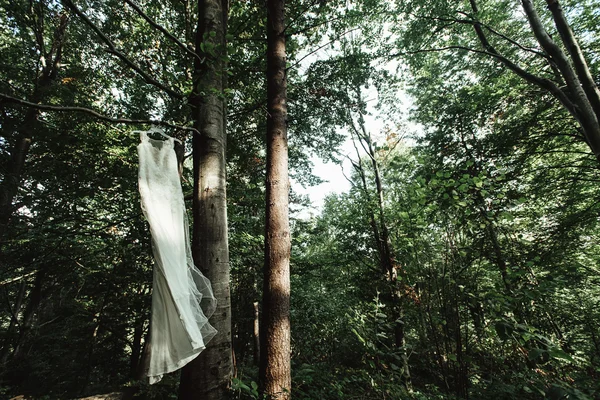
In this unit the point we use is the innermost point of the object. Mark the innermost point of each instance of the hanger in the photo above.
(160, 131)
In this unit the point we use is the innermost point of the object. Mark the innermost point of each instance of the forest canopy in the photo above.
(462, 263)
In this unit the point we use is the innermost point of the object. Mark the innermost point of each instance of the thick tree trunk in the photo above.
(275, 370)
(208, 376)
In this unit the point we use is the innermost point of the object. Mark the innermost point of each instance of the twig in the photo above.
(47, 107)
(163, 30)
(470, 21)
(18, 278)
(320, 47)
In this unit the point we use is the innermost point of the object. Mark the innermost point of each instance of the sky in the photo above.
(335, 182)
(335, 175)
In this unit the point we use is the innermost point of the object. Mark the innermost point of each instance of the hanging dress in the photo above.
(182, 298)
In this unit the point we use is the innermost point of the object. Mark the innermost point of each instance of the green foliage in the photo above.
(492, 210)
(250, 390)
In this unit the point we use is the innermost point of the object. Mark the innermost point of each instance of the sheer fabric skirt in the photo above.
(182, 298)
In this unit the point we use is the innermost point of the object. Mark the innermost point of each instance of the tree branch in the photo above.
(308, 28)
(47, 107)
(584, 112)
(113, 50)
(163, 31)
(473, 22)
(18, 278)
(544, 83)
(579, 62)
(319, 48)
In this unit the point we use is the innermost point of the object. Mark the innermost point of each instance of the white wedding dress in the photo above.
(182, 298)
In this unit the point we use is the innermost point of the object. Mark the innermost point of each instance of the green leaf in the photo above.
(534, 354)
(560, 355)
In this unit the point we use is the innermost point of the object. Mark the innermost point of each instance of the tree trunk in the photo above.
(369, 209)
(208, 377)
(389, 265)
(136, 348)
(275, 371)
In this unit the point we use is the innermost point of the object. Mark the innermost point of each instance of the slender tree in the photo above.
(390, 268)
(275, 376)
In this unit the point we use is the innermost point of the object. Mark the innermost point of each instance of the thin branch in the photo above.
(344, 173)
(544, 83)
(18, 278)
(248, 110)
(164, 31)
(113, 50)
(308, 28)
(320, 47)
(47, 107)
(503, 36)
(300, 14)
(105, 227)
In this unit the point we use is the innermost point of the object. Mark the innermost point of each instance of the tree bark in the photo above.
(581, 97)
(581, 67)
(583, 112)
(208, 377)
(275, 370)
